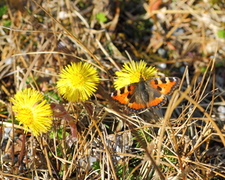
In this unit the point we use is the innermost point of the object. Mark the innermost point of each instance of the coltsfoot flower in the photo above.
(32, 111)
(78, 82)
(133, 72)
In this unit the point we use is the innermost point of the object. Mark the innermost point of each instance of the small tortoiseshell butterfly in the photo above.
(146, 94)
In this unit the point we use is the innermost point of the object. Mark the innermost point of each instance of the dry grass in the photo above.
(183, 140)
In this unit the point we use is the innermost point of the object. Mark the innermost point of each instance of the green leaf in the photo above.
(7, 23)
(3, 10)
(221, 34)
(59, 134)
(101, 17)
(96, 165)
(52, 95)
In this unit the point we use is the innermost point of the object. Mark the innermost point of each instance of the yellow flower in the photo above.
(32, 111)
(133, 72)
(78, 82)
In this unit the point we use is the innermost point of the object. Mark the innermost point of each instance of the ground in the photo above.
(98, 138)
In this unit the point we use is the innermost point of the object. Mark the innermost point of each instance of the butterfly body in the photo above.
(146, 94)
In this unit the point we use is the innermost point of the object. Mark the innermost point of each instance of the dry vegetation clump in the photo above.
(97, 138)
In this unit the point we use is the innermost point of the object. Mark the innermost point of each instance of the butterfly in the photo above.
(146, 94)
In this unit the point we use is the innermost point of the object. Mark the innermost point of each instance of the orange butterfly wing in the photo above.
(165, 85)
(146, 94)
